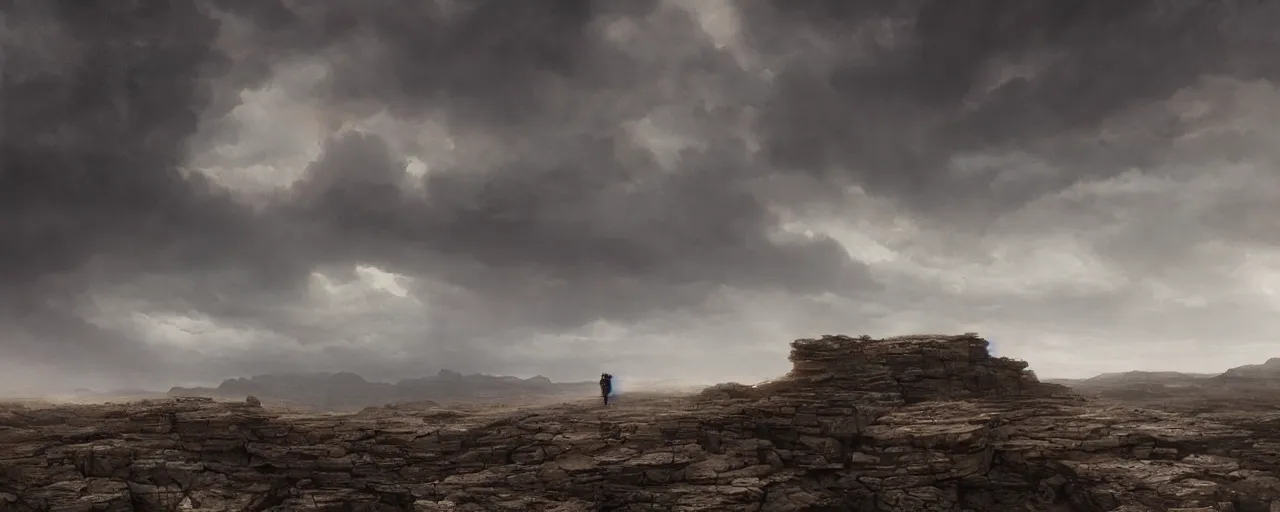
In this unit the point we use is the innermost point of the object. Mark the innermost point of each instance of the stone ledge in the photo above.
(913, 368)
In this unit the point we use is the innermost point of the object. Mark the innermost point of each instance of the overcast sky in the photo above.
(669, 189)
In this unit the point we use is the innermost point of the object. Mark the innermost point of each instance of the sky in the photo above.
(660, 189)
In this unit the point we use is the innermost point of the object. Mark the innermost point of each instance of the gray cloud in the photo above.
(914, 90)
(193, 191)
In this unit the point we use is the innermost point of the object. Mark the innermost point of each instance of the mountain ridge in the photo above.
(349, 389)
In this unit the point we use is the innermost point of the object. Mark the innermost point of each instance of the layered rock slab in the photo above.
(908, 369)
(913, 423)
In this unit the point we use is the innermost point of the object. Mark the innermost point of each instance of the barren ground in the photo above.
(914, 424)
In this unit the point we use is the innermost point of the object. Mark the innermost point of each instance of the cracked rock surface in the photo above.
(920, 423)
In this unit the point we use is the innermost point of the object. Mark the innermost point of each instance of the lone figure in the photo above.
(606, 387)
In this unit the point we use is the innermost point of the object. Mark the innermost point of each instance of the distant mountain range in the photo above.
(1263, 377)
(1267, 370)
(1134, 377)
(346, 389)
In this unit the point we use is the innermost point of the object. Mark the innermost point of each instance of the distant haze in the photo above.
(667, 190)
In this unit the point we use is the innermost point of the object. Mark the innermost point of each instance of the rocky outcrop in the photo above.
(907, 369)
(910, 424)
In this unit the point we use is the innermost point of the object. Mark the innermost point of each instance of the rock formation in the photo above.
(922, 423)
(907, 369)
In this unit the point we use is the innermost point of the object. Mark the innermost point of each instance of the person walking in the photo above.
(606, 387)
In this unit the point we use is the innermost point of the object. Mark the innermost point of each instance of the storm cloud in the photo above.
(661, 189)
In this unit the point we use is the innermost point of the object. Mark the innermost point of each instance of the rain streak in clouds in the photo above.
(665, 189)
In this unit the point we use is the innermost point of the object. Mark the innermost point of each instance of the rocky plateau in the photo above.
(915, 423)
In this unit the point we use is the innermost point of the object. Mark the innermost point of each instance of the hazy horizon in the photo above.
(621, 384)
(662, 189)
(640, 383)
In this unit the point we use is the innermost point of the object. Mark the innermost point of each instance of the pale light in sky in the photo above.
(668, 190)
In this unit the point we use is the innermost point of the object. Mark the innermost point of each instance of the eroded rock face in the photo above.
(912, 424)
(907, 369)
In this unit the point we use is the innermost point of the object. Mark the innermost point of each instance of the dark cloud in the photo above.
(90, 147)
(920, 83)
(496, 60)
(540, 169)
(569, 241)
